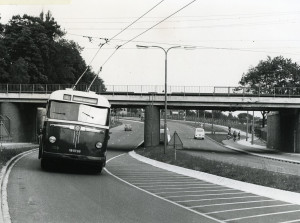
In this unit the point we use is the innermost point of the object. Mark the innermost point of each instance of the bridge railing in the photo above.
(156, 89)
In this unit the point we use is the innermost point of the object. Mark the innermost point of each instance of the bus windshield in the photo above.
(78, 112)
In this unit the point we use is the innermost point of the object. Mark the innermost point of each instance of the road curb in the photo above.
(4, 210)
(276, 194)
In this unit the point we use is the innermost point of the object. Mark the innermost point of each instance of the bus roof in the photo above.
(80, 97)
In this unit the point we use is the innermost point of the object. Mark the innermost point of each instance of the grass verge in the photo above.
(245, 174)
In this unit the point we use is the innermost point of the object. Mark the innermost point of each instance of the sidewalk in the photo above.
(259, 149)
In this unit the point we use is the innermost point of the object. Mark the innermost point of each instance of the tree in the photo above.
(34, 51)
(243, 117)
(4, 75)
(276, 72)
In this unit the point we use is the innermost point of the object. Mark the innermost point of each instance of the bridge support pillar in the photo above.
(22, 121)
(284, 130)
(151, 126)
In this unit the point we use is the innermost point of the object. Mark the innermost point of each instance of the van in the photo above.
(199, 133)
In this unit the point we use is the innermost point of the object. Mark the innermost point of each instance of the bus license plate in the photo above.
(74, 150)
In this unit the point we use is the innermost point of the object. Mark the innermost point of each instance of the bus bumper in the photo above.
(80, 158)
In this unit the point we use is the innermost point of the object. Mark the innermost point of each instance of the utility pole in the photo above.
(252, 139)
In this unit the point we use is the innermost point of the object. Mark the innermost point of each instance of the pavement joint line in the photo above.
(276, 194)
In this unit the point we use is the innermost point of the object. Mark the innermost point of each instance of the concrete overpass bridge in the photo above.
(19, 103)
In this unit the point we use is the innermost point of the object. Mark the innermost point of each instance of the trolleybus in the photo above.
(75, 127)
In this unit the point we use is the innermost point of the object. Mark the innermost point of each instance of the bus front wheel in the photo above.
(44, 163)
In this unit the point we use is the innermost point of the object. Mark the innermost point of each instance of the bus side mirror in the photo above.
(40, 118)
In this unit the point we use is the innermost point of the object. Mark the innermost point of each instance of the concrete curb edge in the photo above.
(276, 194)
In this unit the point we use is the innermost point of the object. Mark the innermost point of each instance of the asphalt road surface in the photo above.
(141, 193)
(210, 150)
(72, 194)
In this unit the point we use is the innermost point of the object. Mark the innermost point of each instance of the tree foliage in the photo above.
(33, 50)
(276, 72)
(243, 117)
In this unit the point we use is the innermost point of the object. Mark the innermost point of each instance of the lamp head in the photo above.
(142, 47)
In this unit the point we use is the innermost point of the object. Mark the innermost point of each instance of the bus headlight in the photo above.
(98, 145)
(52, 139)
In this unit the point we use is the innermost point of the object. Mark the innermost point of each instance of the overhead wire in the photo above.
(130, 40)
(210, 47)
(118, 47)
(122, 32)
(108, 40)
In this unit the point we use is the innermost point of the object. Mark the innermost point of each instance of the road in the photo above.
(72, 194)
(142, 194)
(210, 150)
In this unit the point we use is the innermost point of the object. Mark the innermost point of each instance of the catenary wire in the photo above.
(106, 41)
(119, 34)
(118, 47)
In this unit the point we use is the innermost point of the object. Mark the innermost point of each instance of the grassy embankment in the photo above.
(246, 174)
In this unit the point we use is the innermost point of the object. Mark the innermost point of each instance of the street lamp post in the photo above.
(166, 85)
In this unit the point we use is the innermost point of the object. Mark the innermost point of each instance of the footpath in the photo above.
(258, 148)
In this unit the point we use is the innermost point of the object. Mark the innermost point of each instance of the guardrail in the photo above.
(156, 89)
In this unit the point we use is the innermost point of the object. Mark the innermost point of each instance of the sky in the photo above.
(219, 40)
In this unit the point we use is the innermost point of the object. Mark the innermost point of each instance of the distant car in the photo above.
(128, 127)
(162, 135)
(199, 133)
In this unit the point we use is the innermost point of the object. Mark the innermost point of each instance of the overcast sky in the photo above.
(230, 36)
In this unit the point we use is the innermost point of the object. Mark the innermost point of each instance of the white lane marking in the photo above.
(181, 188)
(167, 180)
(202, 195)
(172, 192)
(251, 208)
(262, 215)
(240, 202)
(297, 220)
(152, 177)
(173, 185)
(179, 205)
(221, 198)
(5, 216)
(165, 183)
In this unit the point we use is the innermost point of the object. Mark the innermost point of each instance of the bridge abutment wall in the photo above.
(284, 130)
(22, 118)
(151, 126)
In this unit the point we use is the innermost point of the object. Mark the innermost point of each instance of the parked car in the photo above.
(162, 135)
(199, 133)
(128, 127)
